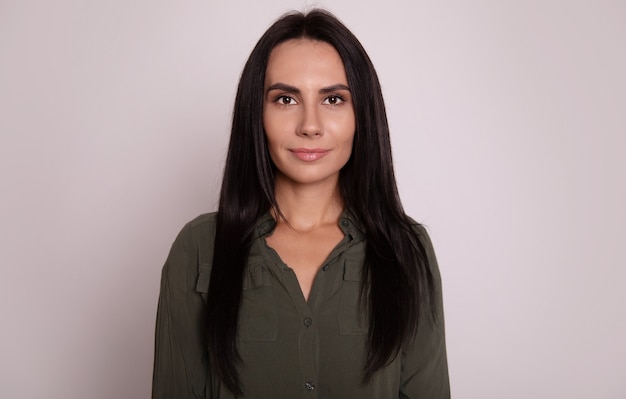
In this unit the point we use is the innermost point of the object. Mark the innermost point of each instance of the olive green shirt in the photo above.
(291, 348)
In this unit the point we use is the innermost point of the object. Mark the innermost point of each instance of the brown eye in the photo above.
(333, 100)
(285, 100)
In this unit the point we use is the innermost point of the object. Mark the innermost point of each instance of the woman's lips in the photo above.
(309, 154)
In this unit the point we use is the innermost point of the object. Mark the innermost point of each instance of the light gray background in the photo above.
(508, 123)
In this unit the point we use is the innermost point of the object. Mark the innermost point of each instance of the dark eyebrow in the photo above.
(291, 89)
(283, 87)
(332, 88)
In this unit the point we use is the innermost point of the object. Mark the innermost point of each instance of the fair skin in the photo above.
(309, 122)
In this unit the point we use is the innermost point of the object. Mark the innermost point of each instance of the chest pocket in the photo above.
(352, 315)
(258, 317)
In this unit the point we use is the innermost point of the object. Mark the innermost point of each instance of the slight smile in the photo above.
(309, 154)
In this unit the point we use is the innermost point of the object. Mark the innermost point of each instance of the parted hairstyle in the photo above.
(398, 285)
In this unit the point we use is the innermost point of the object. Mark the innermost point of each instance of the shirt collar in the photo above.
(348, 223)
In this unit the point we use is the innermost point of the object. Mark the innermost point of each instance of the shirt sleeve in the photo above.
(424, 372)
(180, 357)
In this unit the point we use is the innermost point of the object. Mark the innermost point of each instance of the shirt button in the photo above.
(308, 322)
(344, 223)
(309, 385)
(325, 267)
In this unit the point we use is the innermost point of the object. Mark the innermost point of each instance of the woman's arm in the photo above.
(180, 357)
(424, 364)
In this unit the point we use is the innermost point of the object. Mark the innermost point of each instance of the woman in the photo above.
(310, 280)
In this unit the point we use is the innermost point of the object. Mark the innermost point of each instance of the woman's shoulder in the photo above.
(422, 234)
(200, 227)
(418, 228)
(195, 239)
(201, 222)
(191, 253)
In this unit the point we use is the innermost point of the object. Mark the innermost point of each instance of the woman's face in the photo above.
(308, 114)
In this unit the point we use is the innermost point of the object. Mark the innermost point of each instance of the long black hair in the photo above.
(398, 282)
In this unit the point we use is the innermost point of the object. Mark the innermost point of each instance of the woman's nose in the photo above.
(310, 123)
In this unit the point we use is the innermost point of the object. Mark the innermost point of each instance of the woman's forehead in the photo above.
(302, 59)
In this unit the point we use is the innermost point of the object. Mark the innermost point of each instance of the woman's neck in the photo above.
(306, 207)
